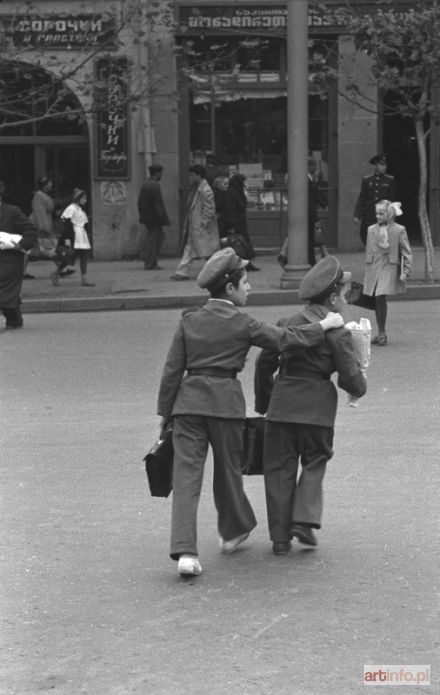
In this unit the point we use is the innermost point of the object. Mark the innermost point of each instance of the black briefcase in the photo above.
(159, 465)
(64, 254)
(253, 440)
(357, 297)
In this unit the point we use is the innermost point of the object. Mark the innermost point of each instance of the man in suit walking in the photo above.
(376, 187)
(12, 258)
(153, 216)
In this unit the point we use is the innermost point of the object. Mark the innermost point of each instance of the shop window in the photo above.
(234, 60)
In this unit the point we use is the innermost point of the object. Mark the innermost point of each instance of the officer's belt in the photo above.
(303, 373)
(213, 371)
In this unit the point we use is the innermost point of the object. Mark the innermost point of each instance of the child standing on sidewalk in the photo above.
(75, 236)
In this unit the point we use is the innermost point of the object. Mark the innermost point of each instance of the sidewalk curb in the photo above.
(127, 303)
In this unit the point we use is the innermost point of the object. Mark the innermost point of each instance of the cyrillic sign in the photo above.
(53, 31)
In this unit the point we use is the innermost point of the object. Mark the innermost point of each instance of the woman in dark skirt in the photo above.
(233, 218)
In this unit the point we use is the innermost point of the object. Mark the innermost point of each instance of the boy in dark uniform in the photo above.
(301, 409)
(374, 188)
(207, 405)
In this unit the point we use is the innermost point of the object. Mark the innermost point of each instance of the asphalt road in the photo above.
(92, 605)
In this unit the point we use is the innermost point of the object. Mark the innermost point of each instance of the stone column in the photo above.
(297, 138)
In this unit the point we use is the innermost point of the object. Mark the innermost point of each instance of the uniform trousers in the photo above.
(192, 435)
(290, 501)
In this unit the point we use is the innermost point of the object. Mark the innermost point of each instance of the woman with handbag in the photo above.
(388, 260)
(233, 220)
(74, 237)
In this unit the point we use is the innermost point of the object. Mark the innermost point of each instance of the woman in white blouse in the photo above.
(75, 235)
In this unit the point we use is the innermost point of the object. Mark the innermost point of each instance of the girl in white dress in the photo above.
(75, 235)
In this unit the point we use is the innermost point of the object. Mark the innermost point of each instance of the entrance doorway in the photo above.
(22, 164)
(43, 131)
(399, 142)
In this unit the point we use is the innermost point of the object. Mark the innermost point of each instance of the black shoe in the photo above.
(251, 267)
(12, 326)
(281, 547)
(65, 273)
(282, 260)
(304, 534)
(28, 276)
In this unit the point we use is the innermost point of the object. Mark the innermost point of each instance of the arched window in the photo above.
(34, 102)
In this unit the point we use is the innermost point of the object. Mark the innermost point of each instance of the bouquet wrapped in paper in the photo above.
(361, 336)
(9, 241)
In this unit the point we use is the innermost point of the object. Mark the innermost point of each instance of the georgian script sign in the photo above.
(250, 19)
(111, 140)
(53, 31)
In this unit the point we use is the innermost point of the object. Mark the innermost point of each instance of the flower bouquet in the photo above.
(361, 336)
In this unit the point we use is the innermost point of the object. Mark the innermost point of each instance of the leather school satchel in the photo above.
(357, 297)
(159, 465)
(253, 439)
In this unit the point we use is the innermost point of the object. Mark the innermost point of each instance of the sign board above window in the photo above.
(332, 16)
(60, 31)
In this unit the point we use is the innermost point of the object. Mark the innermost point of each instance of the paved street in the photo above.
(91, 602)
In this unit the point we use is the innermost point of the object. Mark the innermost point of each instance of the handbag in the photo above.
(159, 465)
(357, 297)
(65, 254)
(241, 247)
(253, 439)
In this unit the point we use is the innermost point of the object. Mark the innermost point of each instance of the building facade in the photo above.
(182, 82)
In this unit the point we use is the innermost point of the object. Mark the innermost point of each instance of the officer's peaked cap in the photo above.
(323, 278)
(219, 268)
(380, 158)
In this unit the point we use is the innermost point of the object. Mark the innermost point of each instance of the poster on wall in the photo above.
(112, 119)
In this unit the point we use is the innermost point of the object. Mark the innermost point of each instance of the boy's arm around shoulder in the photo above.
(280, 337)
(266, 365)
(350, 377)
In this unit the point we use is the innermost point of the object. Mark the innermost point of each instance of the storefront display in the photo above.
(237, 108)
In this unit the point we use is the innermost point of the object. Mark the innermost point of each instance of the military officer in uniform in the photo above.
(301, 408)
(374, 188)
(199, 391)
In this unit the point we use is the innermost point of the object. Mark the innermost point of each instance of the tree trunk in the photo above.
(422, 209)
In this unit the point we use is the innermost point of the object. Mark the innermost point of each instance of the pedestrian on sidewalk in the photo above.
(42, 216)
(316, 200)
(233, 219)
(75, 236)
(377, 186)
(18, 236)
(206, 405)
(200, 230)
(388, 261)
(153, 217)
(301, 408)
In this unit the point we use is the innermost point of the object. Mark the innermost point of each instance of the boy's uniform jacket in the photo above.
(303, 392)
(218, 337)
